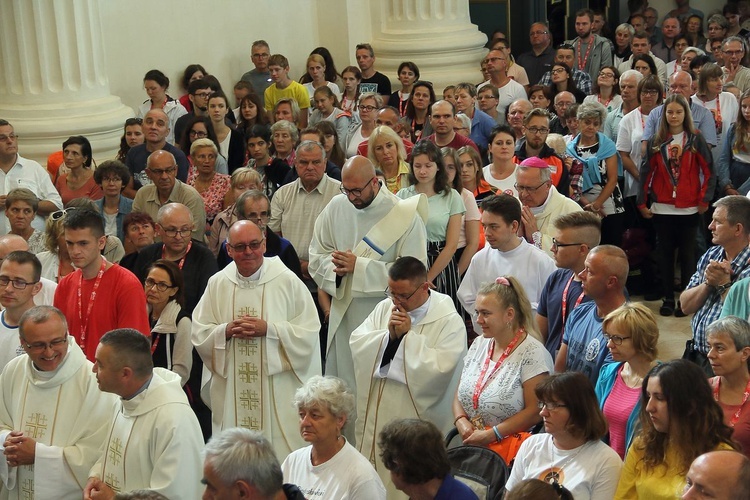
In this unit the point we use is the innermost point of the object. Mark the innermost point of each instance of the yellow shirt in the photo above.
(664, 482)
(295, 91)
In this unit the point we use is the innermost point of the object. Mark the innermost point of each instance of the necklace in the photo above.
(735, 418)
(557, 474)
(481, 382)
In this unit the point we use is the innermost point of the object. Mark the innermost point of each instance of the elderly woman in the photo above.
(501, 402)
(717, 27)
(284, 138)
(570, 451)
(21, 205)
(330, 467)
(139, 229)
(171, 347)
(386, 151)
(200, 127)
(729, 352)
(78, 181)
(595, 157)
(623, 36)
(287, 109)
(113, 176)
(243, 179)
(214, 188)
(632, 334)
(368, 105)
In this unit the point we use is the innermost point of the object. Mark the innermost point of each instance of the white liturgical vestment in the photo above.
(67, 415)
(155, 442)
(253, 380)
(419, 382)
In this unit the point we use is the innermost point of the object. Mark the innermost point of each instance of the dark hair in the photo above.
(136, 218)
(615, 88)
(185, 142)
(408, 268)
(331, 73)
(260, 131)
(157, 76)
(325, 89)
(365, 46)
(188, 74)
(647, 59)
(586, 12)
(571, 85)
(698, 62)
(411, 66)
(213, 83)
(696, 421)
(545, 90)
(85, 148)
(133, 350)
(261, 117)
(83, 218)
(23, 195)
(175, 276)
(312, 130)
(414, 450)
(651, 82)
(501, 129)
(124, 148)
(503, 205)
(575, 391)
(25, 257)
(336, 156)
(425, 147)
(112, 167)
(410, 113)
(221, 95)
(536, 489)
(197, 85)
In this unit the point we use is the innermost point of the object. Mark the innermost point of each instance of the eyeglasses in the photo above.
(258, 215)
(160, 285)
(606, 74)
(400, 297)
(262, 56)
(538, 130)
(550, 406)
(111, 180)
(649, 92)
(12, 137)
(486, 96)
(727, 52)
(456, 129)
(527, 189)
(558, 70)
(198, 133)
(42, 346)
(160, 172)
(363, 107)
(203, 95)
(241, 247)
(616, 339)
(557, 244)
(19, 284)
(172, 233)
(493, 59)
(538, 33)
(60, 213)
(355, 192)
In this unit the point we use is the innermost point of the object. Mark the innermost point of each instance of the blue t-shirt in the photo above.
(550, 305)
(587, 347)
(453, 489)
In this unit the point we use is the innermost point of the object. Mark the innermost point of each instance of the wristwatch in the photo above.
(723, 288)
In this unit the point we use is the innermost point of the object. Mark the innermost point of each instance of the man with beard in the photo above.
(533, 143)
(592, 52)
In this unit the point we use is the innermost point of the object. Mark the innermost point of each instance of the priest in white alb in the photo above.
(155, 441)
(256, 329)
(53, 419)
(357, 236)
(407, 359)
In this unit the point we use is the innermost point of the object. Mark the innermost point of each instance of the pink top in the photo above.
(213, 197)
(741, 432)
(90, 190)
(617, 410)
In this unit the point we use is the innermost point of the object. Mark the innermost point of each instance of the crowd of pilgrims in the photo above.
(641, 129)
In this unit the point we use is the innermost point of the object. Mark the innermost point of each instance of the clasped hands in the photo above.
(19, 449)
(246, 327)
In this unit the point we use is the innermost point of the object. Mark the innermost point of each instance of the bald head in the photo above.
(173, 210)
(681, 83)
(721, 475)
(359, 181)
(157, 114)
(359, 167)
(615, 261)
(10, 243)
(564, 95)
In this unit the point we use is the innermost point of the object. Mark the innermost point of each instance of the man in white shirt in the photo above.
(640, 44)
(17, 171)
(508, 89)
(11, 243)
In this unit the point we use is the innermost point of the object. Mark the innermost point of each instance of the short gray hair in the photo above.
(465, 121)
(626, 27)
(204, 142)
(589, 110)
(545, 174)
(371, 95)
(737, 328)
(286, 126)
(732, 39)
(631, 73)
(171, 207)
(309, 145)
(327, 392)
(250, 194)
(238, 454)
(698, 52)
(39, 315)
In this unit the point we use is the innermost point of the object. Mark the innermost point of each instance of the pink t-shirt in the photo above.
(741, 432)
(617, 409)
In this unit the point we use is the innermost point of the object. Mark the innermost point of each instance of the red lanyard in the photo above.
(85, 323)
(643, 122)
(745, 396)
(479, 387)
(582, 63)
(605, 104)
(402, 105)
(565, 299)
(156, 343)
(182, 260)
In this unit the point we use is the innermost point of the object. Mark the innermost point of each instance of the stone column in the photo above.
(53, 77)
(437, 35)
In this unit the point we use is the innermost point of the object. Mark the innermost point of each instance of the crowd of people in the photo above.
(297, 297)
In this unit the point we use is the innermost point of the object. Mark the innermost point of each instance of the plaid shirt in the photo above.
(581, 79)
(711, 309)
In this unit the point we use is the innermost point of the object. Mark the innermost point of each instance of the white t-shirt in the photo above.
(590, 471)
(629, 136)
(354, 141)
(506, 185)
(10, 343)
(472, 213)
(346, 476)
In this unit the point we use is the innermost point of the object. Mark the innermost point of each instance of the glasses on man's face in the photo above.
(19, 284)
(160, 285)
(556, 244)
(203, 95)
(364, 107)
(258, 215)
(538, 33)
(160, 172)
(173, 233)
(59, 214)
(262, 56)
(242, 247)
(355, 192)
(42, 346)
(537, 130)
(399, 296)
(494, 59)
(10, 137)
(527, 189)
(616, 339)
(733, 52)
(550, 406)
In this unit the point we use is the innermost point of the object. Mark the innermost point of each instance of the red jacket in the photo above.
(696, 180)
